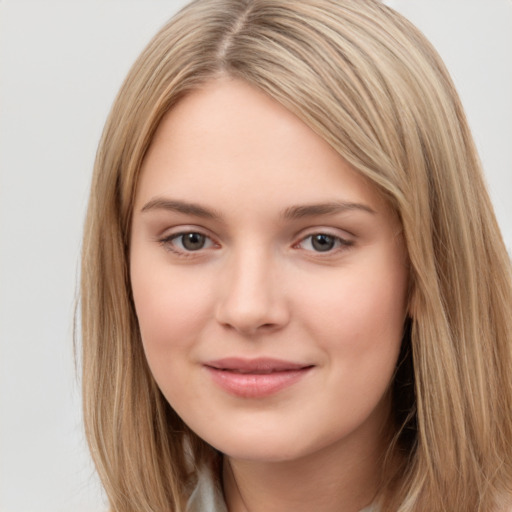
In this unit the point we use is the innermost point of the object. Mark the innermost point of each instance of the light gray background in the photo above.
(61, 63)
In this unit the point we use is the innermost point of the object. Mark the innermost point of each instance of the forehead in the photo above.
(229, 139)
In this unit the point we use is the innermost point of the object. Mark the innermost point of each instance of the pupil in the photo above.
(193, 241)
(322, 243)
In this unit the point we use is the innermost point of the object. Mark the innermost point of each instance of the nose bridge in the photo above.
(252, 298)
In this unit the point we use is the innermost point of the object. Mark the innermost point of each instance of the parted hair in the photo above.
(369, 83)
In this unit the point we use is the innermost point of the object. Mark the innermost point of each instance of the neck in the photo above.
(341, 477)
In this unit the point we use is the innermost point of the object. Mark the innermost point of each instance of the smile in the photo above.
(255, 378)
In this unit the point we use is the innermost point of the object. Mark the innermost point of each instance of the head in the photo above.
(372, 88)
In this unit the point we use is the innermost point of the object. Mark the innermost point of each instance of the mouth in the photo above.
(255, 378)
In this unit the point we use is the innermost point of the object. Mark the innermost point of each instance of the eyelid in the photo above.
(344, 242)
(166, 240)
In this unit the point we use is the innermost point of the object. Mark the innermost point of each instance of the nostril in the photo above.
(249, 326)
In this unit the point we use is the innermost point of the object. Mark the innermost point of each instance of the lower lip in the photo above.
(256, 385)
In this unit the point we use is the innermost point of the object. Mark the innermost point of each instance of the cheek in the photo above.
(359, 316)
(170, 308)
(357, 322)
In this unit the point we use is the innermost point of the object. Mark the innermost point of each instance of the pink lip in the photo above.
(255, 378)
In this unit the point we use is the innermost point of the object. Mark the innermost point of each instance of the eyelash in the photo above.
(168, 242)
(341, 244)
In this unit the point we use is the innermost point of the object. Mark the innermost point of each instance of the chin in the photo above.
(264, 451)
(266, 445)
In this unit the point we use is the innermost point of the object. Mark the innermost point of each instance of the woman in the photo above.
(295, 295)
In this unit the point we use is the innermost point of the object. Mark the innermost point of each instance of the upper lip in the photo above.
(258, 365)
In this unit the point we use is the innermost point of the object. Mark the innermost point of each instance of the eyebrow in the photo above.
(330, 208)
(290, 213)
(181, 207)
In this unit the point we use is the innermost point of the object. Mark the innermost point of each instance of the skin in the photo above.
(259, 287)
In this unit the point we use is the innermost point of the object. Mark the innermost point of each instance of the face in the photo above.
(269, 279)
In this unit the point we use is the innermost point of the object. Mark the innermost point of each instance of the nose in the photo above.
(252, 299)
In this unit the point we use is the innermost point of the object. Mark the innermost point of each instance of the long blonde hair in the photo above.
(368, 82)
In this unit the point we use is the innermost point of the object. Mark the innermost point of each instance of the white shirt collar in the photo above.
(207, 496)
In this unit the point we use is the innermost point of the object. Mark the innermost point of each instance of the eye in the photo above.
(323, 242)
(187, 242)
